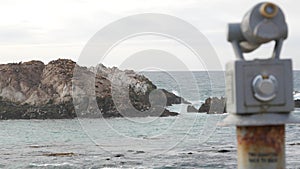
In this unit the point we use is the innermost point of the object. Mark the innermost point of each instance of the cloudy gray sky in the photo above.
(47, 30)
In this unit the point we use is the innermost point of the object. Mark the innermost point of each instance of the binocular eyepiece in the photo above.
(265, 22)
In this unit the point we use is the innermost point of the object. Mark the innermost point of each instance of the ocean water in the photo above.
(190, 140)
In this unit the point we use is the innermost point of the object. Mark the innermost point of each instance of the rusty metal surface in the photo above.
(261, 147)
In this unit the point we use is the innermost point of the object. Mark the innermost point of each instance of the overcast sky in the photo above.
(47, 30)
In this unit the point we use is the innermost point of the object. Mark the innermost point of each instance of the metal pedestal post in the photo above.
(261, 147)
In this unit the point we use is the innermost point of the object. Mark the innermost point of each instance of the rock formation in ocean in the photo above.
(33, 90)
(297, 103)
(213, 106)
(191, 108)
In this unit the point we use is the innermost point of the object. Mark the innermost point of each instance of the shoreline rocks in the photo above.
(33, 90)
(216, 105)
(212, 105)
(191, 108)
(297, 103)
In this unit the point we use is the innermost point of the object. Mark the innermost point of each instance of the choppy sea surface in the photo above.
(190, 140)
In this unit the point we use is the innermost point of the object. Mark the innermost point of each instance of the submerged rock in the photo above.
(59, 154)
(294, 144)
(63, 89)
(223, 151)
(140, 152)
(119, 155)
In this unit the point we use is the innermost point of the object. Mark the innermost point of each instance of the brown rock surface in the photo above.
(35, 90)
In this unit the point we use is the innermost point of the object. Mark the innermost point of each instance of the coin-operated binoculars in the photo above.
(260, 92)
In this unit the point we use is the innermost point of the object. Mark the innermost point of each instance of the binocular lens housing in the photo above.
(263, 23)
(268, 10)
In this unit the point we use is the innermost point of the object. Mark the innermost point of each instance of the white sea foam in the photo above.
(176, 92)
(51, 164)
(296, 95)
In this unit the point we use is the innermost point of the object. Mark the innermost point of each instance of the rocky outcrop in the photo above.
(297, 103)
(218, 106)
(34, 90)
(11, 110)
(214, 106)
(191, 108)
